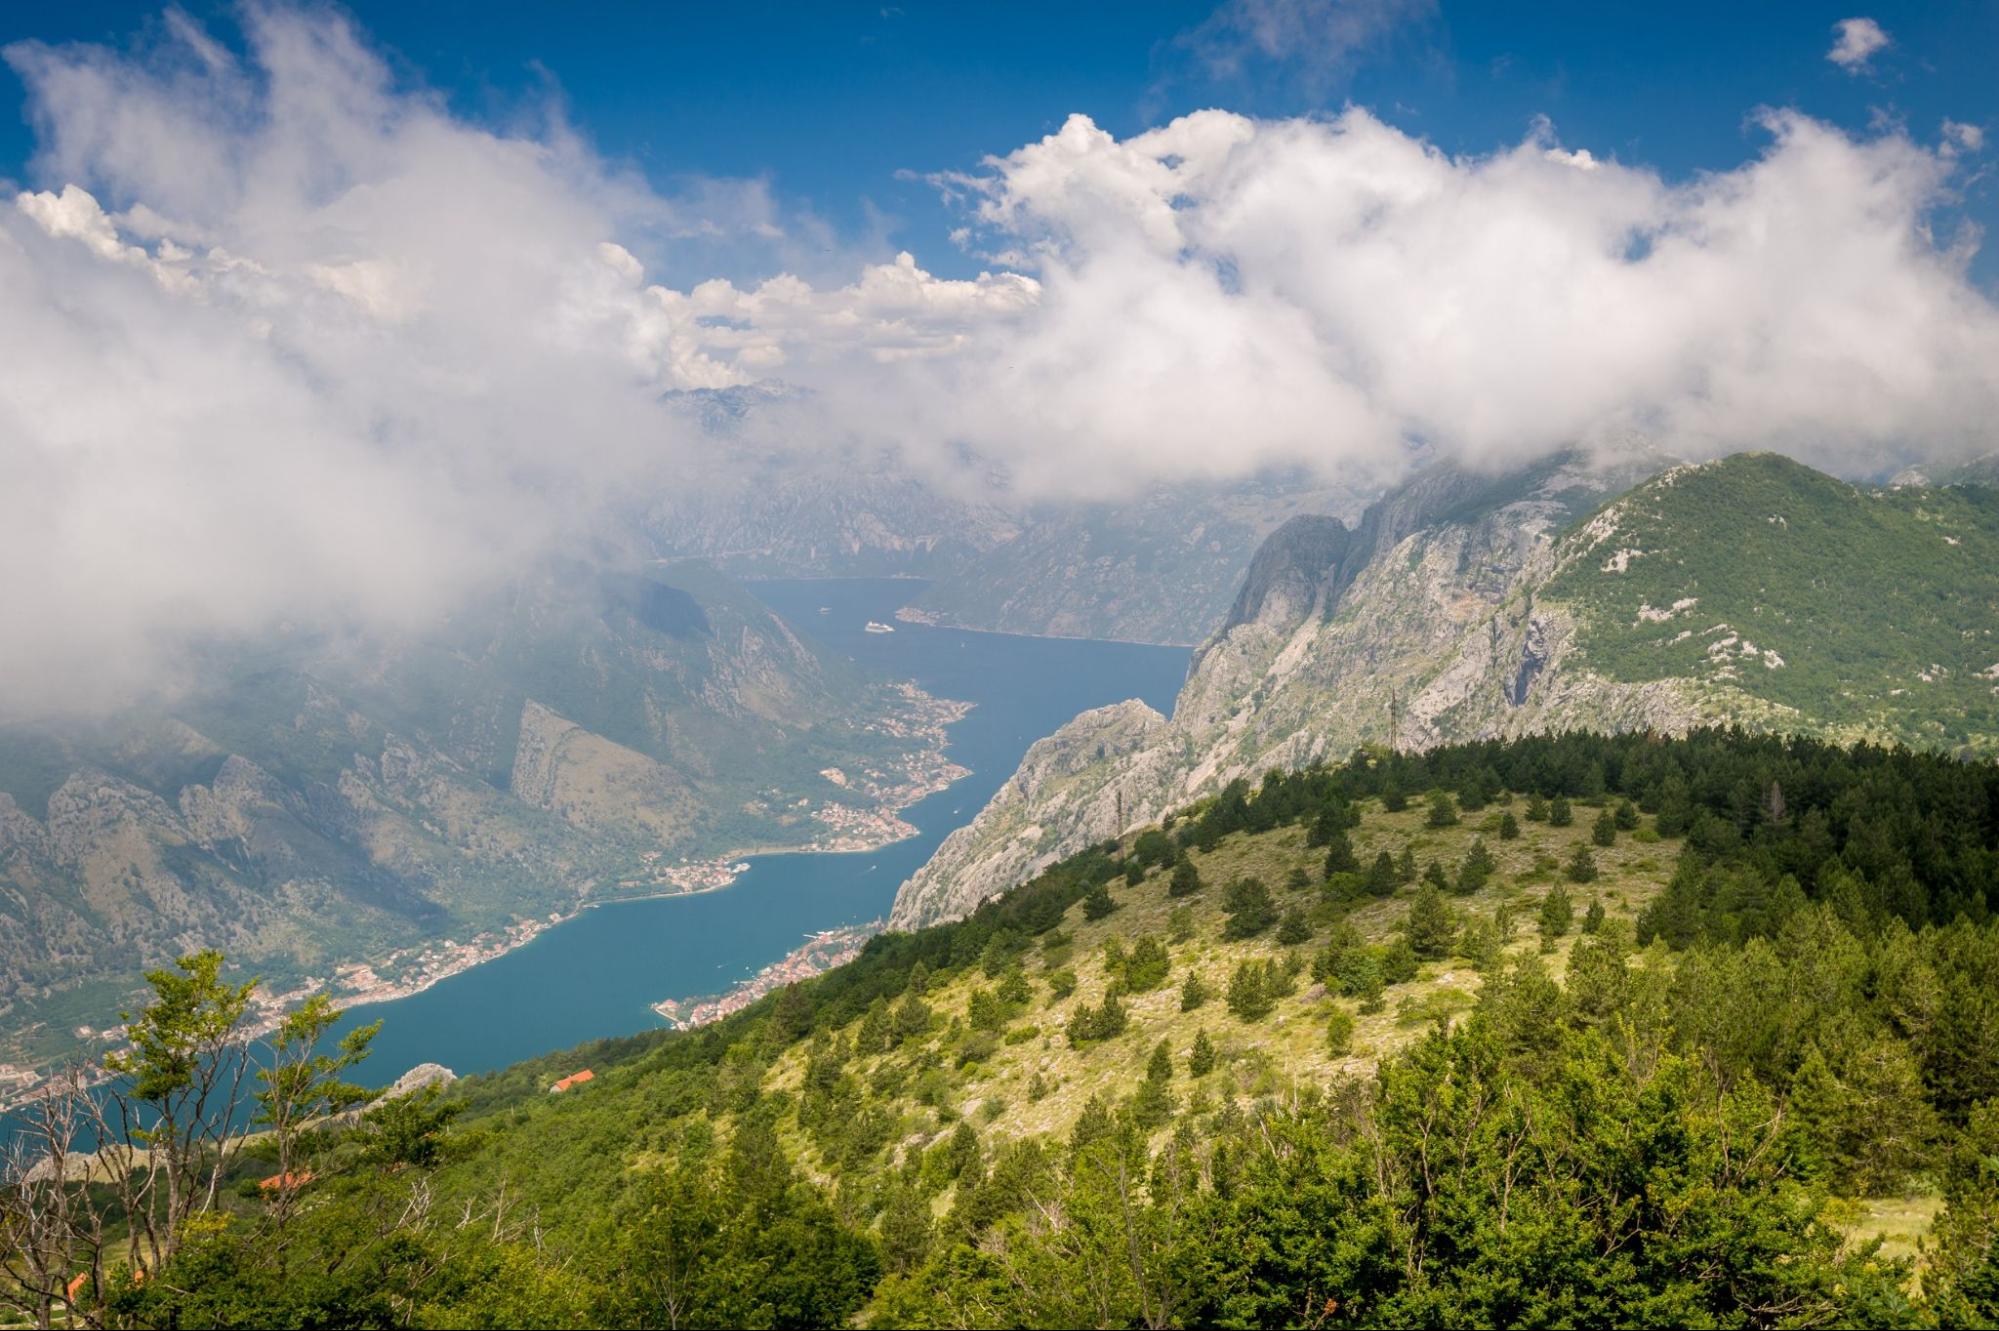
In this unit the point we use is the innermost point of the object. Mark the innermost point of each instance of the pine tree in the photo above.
(1557, 913)
(1097, 903)
(1627, 816)
(1477, 868)
(912, 1017)
(1249, 908)
(1559, 812)
(1537, 808)
(1604, 831)
(1432, 926)
(1201, 1059)
(1339, 1033)
(1294, 929)
(1405, 866)
(1186, 880)
(1249, 995)
(1153, 1104)
(1443, 810)
(1582, 866)
(1509, 827)
(1339, 855)
(1193, 992)
(1593, 917)
(1381, 876)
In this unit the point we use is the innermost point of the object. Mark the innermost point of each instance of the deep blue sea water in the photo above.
(599, 974)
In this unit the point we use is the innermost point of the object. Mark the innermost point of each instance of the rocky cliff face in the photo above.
(1751, 591)
(1418, 618)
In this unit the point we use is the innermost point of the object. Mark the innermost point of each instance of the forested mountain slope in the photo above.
(311, 804)
(1751, 591)
(1595, 1030)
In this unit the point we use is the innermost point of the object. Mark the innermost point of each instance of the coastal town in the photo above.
(817, 955)
(867, 817)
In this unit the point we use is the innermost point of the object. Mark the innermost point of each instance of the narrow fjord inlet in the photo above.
(599, 974)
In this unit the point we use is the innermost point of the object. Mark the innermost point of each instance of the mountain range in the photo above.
(318, 804)
(1750, 591)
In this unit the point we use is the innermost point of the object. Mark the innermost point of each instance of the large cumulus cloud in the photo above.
(285, 341)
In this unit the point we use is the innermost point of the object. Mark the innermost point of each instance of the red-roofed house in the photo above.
(573, 1079)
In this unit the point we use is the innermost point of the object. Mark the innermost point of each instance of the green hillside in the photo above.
(1867, 612)
(1571, 1030)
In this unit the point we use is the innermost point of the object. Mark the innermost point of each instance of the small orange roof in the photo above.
(76, 1285)
(574, 1079)
(293, 1181)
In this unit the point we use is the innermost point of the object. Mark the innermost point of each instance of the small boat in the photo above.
(876, 626)
(825, 609)
(740, 866)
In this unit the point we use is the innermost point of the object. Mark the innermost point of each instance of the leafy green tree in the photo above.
(185, 1068)
(1294, 928)
(302, 1089)
(1180, 924)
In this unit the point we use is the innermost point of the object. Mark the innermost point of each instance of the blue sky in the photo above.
(336, 327)
(838, 105)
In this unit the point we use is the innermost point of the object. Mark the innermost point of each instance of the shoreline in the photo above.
(846, 830)
(927, 619)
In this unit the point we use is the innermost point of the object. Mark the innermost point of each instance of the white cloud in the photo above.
(1222, 293)
(287, 342)
(1959, 137)
(1321, 40)
(1856, 41)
